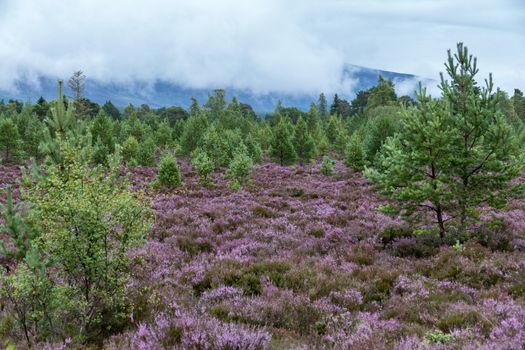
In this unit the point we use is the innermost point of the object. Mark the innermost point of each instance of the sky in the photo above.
(293, 46)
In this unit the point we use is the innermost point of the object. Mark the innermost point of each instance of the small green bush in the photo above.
(203, 165)
(327, 166)
(168, 174)
(240, 169)
(354, 155)
(438, 337)
(130, 149)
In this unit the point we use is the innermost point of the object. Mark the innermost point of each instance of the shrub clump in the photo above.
(72, 280)
(168, 174)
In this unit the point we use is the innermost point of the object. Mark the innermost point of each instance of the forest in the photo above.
(384, 222)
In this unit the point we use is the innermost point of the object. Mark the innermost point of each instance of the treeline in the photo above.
(357, 128)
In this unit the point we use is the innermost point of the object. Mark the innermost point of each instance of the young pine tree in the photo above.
(322, 106)
(281, 143)
(15, 228)
(203, 165)
(451, 156)
(240, 168)
(327, 166)
(303, 142)
(9, 140)
(130, 150)
(168, 173)
(354, 155)
(146, 152)
(194, 129)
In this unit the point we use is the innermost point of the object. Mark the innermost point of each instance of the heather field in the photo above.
(300, 260)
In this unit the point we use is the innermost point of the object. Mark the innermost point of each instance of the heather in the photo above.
(297, 260)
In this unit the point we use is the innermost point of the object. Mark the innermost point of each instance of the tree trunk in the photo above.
(441, 223)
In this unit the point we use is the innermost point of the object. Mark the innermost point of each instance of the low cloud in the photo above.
(259, 45)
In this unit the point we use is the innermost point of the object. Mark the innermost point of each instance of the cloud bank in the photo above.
(260, 45)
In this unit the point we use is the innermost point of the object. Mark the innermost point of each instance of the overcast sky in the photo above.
(262, 45)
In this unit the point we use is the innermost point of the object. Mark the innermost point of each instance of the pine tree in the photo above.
(415, 167)
(102, 129)
(168, 173)
(334, 108)
(9, 139)
(77, 84)
(203, 165)
(195, 107)
(32, 137)
(383, 94)
(314, 124)
(61, 119)
(111, 110)
(281, 143)
(216, 147)
(254, 148)
(164, 134)
(322, 106)
(240, 168)
(128, 111)
(327, 166)
(146, 152)
(216, 103)
(485, 161)
(15, 227)
(303, 142)
(332, 127)
(41, 108)
(518, 101)
(194, 129)
(354, 155)
(451, 156)
(130, 150)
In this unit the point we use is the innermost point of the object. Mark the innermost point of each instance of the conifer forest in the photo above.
(378, 222)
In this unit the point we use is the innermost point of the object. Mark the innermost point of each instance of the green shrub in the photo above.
(84, 219)
(327, 166)
(438, 337)
(254, 149)
(10, 142)
(146, 152)
(354, 155)
(130, 149)
(203, 165)
(240, 168)
(168, 174)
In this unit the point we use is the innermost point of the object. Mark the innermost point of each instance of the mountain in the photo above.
(162, 93)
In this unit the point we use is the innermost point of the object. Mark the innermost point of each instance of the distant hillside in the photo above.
(162, 93)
